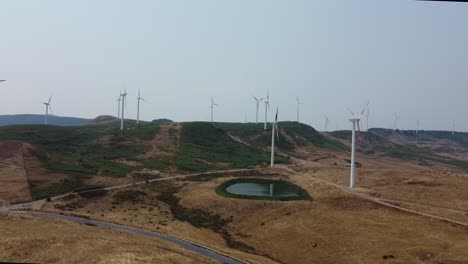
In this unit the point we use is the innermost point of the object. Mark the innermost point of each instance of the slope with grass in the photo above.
(292, 135)
(63, 159)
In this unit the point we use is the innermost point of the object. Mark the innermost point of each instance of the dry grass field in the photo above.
(40, 240)
(344, 228)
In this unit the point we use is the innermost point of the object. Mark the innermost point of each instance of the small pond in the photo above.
(262, 189)
(276, 189)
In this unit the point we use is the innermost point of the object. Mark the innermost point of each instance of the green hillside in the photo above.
(82, 152)
(292, 134)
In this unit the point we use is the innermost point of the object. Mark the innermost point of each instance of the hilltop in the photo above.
(31, 119)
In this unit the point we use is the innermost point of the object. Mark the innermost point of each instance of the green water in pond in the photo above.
(274, 189)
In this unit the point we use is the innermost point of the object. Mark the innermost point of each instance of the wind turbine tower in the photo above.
(298, 103)
(453, 127)
(213, 104)
(47, 105)
(118, 106)
(274, 130)
(355, 120)
(395, 121)
(367, 117)
(267, 107)
(257, 105)
(138, 107)
(123, 98)
(326, 123)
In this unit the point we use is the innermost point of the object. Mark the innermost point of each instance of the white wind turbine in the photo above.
(138, 106)
(453, 127)
(257, 106)
(355, 120)
(118, 106)
(298, 103)
(213, 104)
(267, 107)
(47, 105)
(395, 121)
(326, 123)
(123, 98)
(274, 130)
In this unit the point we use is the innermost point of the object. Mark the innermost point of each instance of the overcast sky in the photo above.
(407, 57)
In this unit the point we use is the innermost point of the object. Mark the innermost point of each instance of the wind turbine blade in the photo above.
(139, 94)
(50, 107)
(347, 108)
(363, 110)
(50, 98)
(255, 98)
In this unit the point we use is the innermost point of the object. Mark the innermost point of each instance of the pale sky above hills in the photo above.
(406, 57)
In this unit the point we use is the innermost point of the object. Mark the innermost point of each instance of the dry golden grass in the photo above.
(40, 240)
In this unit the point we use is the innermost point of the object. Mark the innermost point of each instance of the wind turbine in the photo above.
(273, 130)
(395, 121)
(213, 104)
(118, 108)
(298, 103)
(138, 106)
(367, 117)
(355, 120)
(267, 107)
(258, 104)
(123, 97)
(47, 105)
(453, 127)
(326, 123)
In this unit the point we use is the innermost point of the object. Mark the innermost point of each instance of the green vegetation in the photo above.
(292, 134)
(302, 194)
(204, 147)
(81, 152)
(196, 217)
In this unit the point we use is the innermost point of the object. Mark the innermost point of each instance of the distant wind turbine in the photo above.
(367, 117)
(395, 121)
(123, 97)
(355, 119)
(326, 123)
(453, 127)
(213, 104)
(138, 106)
(257, 106)
(267, 107)
(274, 130)
(298, 103)
(118, 107)
(47, 105)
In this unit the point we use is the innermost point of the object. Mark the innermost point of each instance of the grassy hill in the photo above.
(425, 146)
(292, 135)
(29, 119)
(86, 151)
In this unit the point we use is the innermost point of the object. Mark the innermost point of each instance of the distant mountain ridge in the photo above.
(32, 119)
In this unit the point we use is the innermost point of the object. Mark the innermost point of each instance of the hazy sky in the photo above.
(406, 57)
